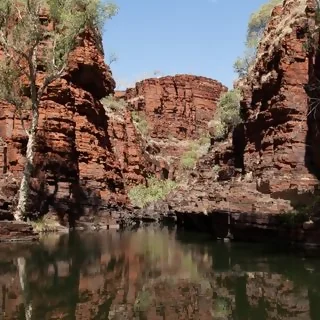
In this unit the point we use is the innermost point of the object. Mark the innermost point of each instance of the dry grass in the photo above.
(46, 224)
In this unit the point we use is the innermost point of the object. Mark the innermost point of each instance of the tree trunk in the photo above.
(24, 191)
(24, 288)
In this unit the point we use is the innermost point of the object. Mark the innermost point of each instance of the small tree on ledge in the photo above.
(36, 38)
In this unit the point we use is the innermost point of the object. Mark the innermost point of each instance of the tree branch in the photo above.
(49, 79)
(8, 45)
(22, 123)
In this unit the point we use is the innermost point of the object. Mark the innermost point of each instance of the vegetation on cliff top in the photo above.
(114, 105)
(33, 48)
(227, 115)
(257, 23)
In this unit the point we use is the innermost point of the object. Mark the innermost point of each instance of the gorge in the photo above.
(175, 198)
(94, 144)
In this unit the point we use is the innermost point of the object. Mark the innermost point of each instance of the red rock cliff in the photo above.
(272, 163)
(177, 110)
(178, 106)
(128, 147)
(279, 123)
(76, 168)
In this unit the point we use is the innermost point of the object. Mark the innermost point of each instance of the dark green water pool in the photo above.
(155, 274)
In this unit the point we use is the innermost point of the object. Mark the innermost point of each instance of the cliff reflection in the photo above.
(154, 274)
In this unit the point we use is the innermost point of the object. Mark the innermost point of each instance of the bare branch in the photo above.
(22, 122)
(49, 79)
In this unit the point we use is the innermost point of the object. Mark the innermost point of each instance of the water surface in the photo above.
(155, 274)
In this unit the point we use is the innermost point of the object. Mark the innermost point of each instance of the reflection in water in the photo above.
(154, 274)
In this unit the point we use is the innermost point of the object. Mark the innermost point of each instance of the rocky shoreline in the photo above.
(226, 226)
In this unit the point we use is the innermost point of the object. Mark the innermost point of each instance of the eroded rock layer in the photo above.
(279, 123)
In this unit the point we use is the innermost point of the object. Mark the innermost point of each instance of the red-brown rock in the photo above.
(279, 123)
(177, 110)
(75, 167)
(179, 106)
(271, 164)
(128, 147)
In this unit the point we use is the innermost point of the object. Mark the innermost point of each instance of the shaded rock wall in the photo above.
(276, 106)
(127, 145)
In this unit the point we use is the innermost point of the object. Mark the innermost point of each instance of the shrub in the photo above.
(143, 195)
(204, 140)
(242, 64)
(227, 116)
(196, 149)
(189, 159)
(259, 19)
(219, 129)
(293, 218)
(216, 168)
(143, 301)
(229, 108)
(112, 104)
(140, 123)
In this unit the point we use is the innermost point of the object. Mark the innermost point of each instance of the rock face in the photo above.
(127, 145)
(174, 112)
(179, 106)
(271, 164)
(280, 117)
(75, 167)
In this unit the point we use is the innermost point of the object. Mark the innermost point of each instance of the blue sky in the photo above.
(201, 37)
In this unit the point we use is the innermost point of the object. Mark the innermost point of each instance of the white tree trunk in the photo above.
(24, 191)
(23, 283)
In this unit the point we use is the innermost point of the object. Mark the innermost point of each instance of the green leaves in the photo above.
(11, 88)
(140, 122)
(257, 23)
(227, 115)
(38, 35)
(5, 10)
(142, 195)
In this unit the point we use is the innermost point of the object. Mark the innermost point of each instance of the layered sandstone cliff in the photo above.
(271, 164)
(180, 106)
(127, 145)
(176, 111)
(75, 167)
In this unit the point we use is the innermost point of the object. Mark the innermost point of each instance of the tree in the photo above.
(257, 23)
(112, 58)
(227, 115)
(35, 53)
